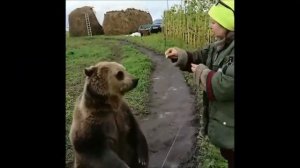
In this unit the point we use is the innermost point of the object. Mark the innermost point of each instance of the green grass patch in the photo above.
(140, 66)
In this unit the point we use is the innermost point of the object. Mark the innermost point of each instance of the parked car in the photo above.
(145, 29)
(156, 26)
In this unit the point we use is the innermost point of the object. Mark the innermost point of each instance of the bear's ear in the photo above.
(89, 71)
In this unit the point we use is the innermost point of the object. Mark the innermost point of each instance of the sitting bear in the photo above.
(104, 132)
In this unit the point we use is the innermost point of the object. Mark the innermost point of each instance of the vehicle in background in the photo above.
(145, 29)
(156, 26)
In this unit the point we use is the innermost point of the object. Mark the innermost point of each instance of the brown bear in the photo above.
(104, 132)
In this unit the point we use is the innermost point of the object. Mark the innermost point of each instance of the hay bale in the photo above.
(77, 23)
(124, 22)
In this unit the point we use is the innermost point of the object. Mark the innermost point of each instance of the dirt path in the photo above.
(171, 127)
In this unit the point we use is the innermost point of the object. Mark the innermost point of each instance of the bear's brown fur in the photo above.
(104, 133)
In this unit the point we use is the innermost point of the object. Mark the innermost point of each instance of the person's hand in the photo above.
(198, 68)
(193, 67)
(172, 54)
(200, 74)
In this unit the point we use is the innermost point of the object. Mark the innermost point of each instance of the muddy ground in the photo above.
(171, 127)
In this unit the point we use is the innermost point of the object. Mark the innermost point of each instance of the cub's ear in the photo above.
(89, 71)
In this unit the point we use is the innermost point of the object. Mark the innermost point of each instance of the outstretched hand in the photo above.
(171, 53)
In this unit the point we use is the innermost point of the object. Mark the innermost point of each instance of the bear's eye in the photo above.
(120, 75)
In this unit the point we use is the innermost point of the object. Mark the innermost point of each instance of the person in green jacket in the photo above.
(213, 71)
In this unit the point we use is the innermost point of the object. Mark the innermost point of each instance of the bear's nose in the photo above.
(135, 82)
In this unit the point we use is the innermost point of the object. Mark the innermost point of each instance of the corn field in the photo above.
(189, 22)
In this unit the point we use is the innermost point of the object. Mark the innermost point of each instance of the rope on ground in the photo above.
(171, 146)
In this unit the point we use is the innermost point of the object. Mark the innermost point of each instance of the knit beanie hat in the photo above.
(223, 13)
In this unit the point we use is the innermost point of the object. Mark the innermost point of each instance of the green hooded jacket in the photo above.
(218, 100)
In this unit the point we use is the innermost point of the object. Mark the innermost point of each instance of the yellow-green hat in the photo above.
(222, 14)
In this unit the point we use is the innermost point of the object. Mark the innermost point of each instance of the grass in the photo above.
(208, 155)
(211, 158)
(81, 52)
(141, 67)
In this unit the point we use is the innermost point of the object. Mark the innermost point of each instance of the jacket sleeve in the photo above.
(220, 85)
(185, 58)
(199, 56)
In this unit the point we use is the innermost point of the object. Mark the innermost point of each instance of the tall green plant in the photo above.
(189, 22)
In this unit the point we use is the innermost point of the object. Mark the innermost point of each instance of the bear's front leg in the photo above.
(142, 150)
(139, 143)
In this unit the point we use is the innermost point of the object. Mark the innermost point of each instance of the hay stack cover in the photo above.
(124, 22)
(77, 23)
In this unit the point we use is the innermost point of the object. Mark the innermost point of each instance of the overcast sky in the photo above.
(154, 7)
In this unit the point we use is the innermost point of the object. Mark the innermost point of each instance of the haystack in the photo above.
(125, 22)
(77, 22)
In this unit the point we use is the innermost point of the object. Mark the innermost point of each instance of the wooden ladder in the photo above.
(88, 24)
